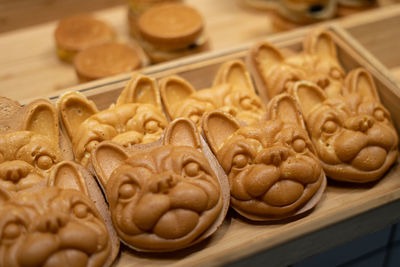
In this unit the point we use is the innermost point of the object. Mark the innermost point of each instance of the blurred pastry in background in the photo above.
(106, 60)
(171, 30)
(78, 32)
(289, 14)
(137, 8)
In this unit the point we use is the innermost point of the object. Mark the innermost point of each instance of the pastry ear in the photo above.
(361, 82)
(182, 132)
(140, 89)
(320, 43)
(106, 158)
(174, 90)
(68, 175)
(283, 107)
(308, 95)
(41, 117)
(266, 55)
(74, 108)
(10, 115)
(234, 73)
(217, 127)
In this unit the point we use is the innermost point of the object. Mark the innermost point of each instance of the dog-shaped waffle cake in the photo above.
(136, 118)
(272, 168)
(353, 133)
(166, 195)
(232, 91)
(57, 225)
(275, 72)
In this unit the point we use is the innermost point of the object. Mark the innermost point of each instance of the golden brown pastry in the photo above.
(29, 143)
(136, 118)
(78, 32)
(275, 73)
(166, 195)
(232, 91)
(272, 168)
(171, 30)
(57, 225)
(105, 60)
(33, 174)
(137, 8)
(353, 133)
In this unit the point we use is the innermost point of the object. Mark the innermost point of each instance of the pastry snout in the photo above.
(15, 170)
(365, 149)
(70, 242)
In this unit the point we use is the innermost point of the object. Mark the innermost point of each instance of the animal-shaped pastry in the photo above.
(353, 134)
(166, 195)
(232, 91)
(274, 72)
(58, 225)
(272, 168)
(136, 118)
(29, 143)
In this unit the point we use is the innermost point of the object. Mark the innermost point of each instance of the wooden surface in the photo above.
(342, 206)
(29, 66)
(16, 14)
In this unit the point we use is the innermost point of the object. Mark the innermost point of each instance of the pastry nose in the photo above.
(274, 155)
(52, 222)
(323, 82)
(14, 170)
(163, 183)
(360, 123)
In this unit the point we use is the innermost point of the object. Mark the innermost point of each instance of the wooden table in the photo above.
(30, 68)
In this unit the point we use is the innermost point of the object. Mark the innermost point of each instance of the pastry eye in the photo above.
(127, 191)
(92, 145)
(299, 145)
(192, 169)
(335, 73)
(44, 162)
(81, 210)
(240, 161)
(246, 103)
(330, 127)
(12, 230)
(379, 114)
(151, 126)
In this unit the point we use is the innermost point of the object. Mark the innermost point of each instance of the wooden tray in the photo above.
(385, 45)
(238, 238)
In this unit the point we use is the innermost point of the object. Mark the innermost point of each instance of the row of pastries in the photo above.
(160, 167)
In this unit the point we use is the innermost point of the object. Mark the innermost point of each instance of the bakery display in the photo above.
(76, 33)
(274, 72)
(136, 118)
(353, 132)
(47, 204)
(166, 195)
(232, 91)
(272, 167)
(106, 60)
(171, 30)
